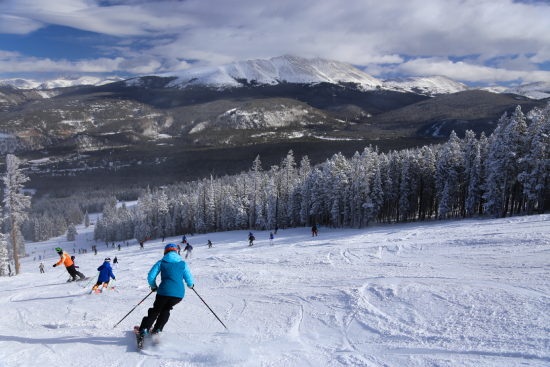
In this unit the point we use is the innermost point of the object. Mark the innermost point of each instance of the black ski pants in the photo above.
(74, 273)
(160, 312)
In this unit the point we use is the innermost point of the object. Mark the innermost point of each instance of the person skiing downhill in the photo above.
(74, 264)
(173, 271)
(251, 239)
(209, 244)
(276, 228)
(105, 274)
(69, 265)
(188, 248)
(271, 238)
(41, 268)
(184, 239)
(115, 261)
(313, 231)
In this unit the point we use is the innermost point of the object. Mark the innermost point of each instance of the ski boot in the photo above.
(94, 288)
(156, 336)
(140, 337)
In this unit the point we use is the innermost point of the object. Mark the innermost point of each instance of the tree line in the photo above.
(505, 174)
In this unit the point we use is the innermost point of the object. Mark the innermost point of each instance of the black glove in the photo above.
(154, 289)
(54, 265)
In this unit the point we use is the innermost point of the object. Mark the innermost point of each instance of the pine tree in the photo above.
(71, 232)
(4, 260)
(15, 202)
(87, 219)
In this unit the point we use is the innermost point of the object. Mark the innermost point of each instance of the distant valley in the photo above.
(232, 112)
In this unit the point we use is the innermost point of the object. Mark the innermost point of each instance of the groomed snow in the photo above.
(450, 293)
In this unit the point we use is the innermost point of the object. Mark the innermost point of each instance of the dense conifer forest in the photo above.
(504, 174)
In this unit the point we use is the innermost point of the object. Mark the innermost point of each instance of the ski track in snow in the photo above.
(448, 293)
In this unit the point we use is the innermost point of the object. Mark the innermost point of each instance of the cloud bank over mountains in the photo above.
(474, 41)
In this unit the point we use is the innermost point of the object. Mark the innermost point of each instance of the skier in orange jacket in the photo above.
(69, 265)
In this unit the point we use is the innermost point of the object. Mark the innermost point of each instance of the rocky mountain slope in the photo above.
(232, 112)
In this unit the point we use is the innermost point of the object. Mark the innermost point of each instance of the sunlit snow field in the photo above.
(453, 293)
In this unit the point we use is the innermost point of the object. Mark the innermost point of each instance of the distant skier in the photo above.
(276, 229)
(183, 239)
(119, 247)
(105, 275)
(163, 236)
(313, 231)
(179, 249)
(41, 267)
(69, 265)
(188, 248)
(271, 238)
(141, 245)
(209, 244)
(171, 291)
(115, 261)
(251, 239)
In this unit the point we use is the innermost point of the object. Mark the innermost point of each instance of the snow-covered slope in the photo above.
(446, 293)
(20, 83)
(290, 69)
(494, 89)
(59, 82)
(429, 85)
(538, 90)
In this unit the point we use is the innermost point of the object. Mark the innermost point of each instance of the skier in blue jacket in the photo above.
(105, 274)
(173, 271)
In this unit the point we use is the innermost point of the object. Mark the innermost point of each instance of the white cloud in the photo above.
(464, 71)
(13, 62)
(371, 33)
(18, 25)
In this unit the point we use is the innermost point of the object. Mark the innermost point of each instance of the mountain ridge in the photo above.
(283, 69)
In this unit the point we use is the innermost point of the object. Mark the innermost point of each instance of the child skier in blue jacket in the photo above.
(105, 274)
(173, 271)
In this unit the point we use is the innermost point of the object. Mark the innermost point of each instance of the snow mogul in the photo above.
(173, 271)
(105, 274)
(69, 265)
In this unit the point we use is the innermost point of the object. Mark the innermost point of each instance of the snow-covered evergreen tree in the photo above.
(71, 232)
(4, 260)
(86, 219)
(15, 203)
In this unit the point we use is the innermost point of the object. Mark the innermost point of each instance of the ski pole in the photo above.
(210, 309)
(90, 280)
(132, 310)
(111, 287)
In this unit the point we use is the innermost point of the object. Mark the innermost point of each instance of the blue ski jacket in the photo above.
(173, 270)
(105, 272)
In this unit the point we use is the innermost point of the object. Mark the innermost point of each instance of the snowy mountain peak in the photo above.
(538, 90)
(287, 68)
(61, 82)
(428, 85)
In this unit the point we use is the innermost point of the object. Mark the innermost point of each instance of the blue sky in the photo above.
(481, 42)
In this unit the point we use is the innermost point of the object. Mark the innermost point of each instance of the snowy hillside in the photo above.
(446, 293)
(59, 82)
(539, 90)
(276, 70)
(429, 85)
